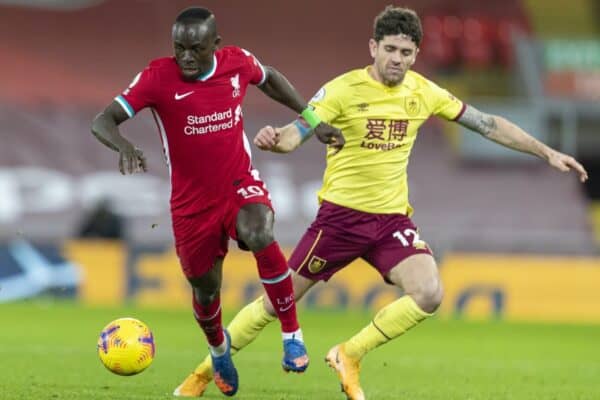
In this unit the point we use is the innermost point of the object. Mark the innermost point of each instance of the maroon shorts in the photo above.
(339, 235)
(203, 237)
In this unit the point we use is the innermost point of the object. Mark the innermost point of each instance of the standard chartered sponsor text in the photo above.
(215, 122)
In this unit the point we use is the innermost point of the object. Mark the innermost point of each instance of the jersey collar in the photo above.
(211, 72)
(369, 79)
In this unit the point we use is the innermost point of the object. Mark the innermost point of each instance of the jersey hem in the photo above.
(400, 210)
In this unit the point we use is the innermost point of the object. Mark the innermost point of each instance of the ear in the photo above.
(217, 41)
(373, 47)
(415, 57)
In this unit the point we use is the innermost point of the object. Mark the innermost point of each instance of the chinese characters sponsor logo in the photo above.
(384, 134)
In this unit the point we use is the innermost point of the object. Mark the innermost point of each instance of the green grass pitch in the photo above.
(48, 351)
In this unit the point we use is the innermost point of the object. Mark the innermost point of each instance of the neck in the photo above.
(376, 76)
(209, 67)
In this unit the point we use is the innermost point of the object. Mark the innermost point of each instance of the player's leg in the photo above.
(244, 328)
(201, 247)
(325, 248)
(419, 278)
(254, 226)
(207, 311)
(253, 318)
(207, 306)
(405, 261)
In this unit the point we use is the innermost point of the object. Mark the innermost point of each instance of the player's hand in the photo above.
(131, 160)
(330, 135)
(267, 138)
(565, 163)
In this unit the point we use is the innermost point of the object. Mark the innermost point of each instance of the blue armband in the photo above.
(303, 128)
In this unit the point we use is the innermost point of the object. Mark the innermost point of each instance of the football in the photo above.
(126, 346)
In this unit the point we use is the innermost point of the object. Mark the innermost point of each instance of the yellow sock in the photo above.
(390, 322)
(244, 328)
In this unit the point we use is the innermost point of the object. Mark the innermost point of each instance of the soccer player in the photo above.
(364, 209)
(196, 99)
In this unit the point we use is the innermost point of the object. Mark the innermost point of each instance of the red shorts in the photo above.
(203, 237)
(340, 235)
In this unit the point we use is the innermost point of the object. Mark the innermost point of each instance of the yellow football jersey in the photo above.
(380, 124)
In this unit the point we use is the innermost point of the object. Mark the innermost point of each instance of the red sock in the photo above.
(209, 319)
(275, 276)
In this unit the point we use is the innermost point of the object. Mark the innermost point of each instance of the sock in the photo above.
(390, 322)
(243, 329)
(275, 276)
(218, 351)
(293, 335)
(209, 319)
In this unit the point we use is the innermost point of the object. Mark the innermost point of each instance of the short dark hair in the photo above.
(193, 14)
(398, 20)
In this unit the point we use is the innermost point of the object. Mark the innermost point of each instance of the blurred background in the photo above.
(514, 238)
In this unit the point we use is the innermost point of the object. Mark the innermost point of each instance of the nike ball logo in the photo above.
(182, 96)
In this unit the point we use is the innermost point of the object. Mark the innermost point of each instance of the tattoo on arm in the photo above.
(477, 121)
(502, 131)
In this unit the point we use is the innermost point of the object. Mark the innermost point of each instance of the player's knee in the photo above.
(429, 296)
(256, 238)
(205, 296)
(206, 288)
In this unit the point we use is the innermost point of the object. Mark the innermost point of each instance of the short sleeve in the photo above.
(258, 74)
(326, 102)
(445, 104)
(139, 94)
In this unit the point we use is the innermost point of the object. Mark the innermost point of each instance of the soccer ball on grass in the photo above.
(126, 346)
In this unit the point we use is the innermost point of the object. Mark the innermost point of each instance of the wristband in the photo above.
(311, 117)
(303, 128)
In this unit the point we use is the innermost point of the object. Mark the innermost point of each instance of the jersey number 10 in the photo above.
(250, 191)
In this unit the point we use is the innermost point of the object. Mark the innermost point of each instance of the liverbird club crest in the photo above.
(235, 83)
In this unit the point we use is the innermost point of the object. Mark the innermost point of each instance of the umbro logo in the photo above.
(182, 96)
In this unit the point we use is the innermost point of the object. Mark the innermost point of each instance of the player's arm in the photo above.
(105, 129)
(506, 133)
(280, 140)
(277, 87)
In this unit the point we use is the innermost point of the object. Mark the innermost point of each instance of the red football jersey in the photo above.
(200, 124)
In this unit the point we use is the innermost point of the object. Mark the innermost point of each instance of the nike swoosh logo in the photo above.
(284, 309)
(182, 96)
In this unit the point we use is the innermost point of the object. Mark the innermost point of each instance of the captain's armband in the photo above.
(311, 117)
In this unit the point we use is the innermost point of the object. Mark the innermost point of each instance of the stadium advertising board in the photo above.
(480, 286)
